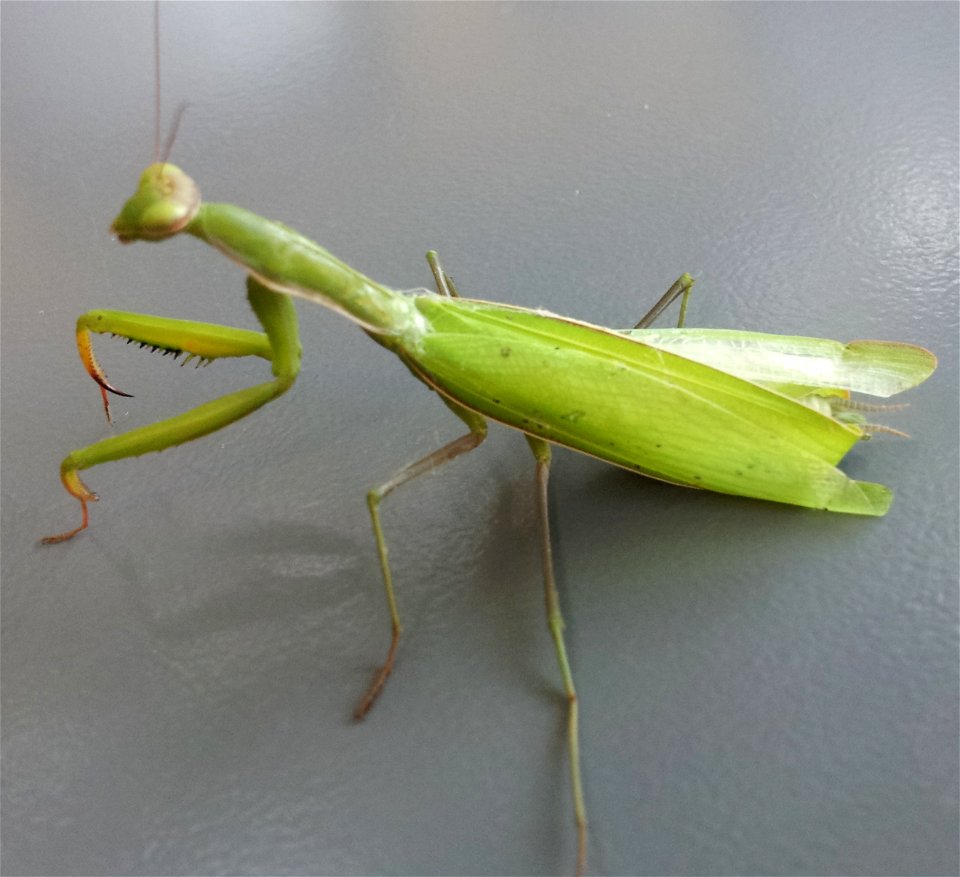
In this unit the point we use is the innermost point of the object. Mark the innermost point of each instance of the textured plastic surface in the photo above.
(764, 689)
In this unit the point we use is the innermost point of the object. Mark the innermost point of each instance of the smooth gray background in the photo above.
(764, 689)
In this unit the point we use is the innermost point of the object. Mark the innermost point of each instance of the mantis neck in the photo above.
(289, 263)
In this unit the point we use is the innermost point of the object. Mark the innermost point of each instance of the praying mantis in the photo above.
(742, 413)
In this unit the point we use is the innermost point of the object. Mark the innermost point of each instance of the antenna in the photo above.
(156, 76)
(161, 156)
(172, 136)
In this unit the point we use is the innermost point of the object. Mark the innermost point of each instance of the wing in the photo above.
(609, 395)
(878, 368)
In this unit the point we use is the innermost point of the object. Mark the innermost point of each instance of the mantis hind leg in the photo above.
(450, 451)
(541, 450)
(279, 343)
(683, 286)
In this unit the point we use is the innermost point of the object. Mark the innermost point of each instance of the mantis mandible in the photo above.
(740, 413)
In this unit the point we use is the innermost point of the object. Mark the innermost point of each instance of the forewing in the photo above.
(637, 406)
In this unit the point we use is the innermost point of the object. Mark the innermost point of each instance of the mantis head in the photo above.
(164, 204)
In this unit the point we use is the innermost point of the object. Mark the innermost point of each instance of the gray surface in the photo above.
(765, 689)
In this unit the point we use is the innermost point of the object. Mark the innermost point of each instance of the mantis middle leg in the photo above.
(450, 451)
(443, 280)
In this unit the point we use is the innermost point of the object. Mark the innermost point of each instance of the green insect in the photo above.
(741, 413)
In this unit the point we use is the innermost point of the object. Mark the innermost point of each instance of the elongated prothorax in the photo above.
(167, 202)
